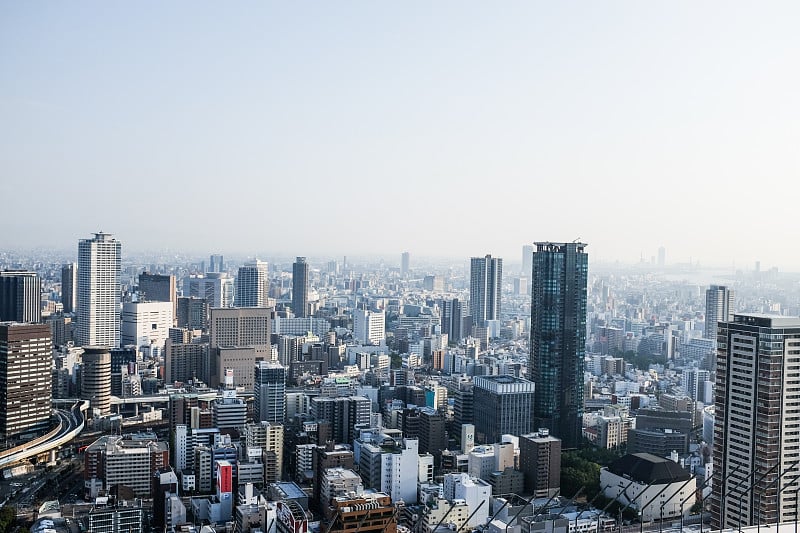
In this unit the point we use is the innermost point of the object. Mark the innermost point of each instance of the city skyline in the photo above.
(644, 116)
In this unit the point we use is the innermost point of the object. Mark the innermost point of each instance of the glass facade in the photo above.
(558, 338)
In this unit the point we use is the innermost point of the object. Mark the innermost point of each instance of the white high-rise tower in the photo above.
(99, 291)
(252, 285)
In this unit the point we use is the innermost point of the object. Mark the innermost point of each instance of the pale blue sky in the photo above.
(442, 128)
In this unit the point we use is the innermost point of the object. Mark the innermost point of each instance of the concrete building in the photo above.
(146, 325)
(25, 381)
(269, 438)
(186, 362)
(99, 266)
(109, 515)
(637, 479)
(540, 462)
(343, 413)
(558, 338)
(366, 512)
(473, 491)
(369, 327)
(502, 405)
(119, 461)
(20, 296)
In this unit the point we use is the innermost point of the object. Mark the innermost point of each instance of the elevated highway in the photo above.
(70, 423)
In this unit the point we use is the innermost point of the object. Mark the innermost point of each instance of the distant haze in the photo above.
(445, 128)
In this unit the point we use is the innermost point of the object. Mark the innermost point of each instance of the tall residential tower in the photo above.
(485, 284)
(99, 291)
(756, 421)
(558, 338)
(300, 287)
(719, 308)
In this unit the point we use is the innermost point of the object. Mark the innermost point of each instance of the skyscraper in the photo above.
(527, 261)
(270, 392)
(252, 285)
(485, 284)
(20, 296)
(300, 287)
(405, 263)
(451, 311)
(719, 308)
(558, 338)
(99, 291)
(756, 430)
(216, 263)
(69, 287)
(25, 380)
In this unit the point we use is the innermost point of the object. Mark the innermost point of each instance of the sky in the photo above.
(446, 128)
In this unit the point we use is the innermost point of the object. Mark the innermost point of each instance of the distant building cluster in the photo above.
(301, 395)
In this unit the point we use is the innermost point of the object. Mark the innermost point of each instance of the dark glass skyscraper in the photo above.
(300, 287)
(558, 338)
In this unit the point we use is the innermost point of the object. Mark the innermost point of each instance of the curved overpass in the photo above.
(70, 424)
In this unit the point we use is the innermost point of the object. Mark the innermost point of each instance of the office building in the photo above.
(69, 287)
(270, 392)
(719, 308)
(558, 338)
(192, 313)
(25, 382)
(159, 288)
(540, 462)
(369, 327)
(252, 285)
(96, 379)
(485, 289)
(20, 296)
(130, 461)
(241, 327)
(146, 326)
(300, 287)
(215, 287)
(757, 420)
(502, 405)
(99, 291)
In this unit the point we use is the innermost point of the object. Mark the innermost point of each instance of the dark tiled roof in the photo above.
(649, 468)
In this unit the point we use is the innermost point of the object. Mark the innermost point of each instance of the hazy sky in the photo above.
(442, 128)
